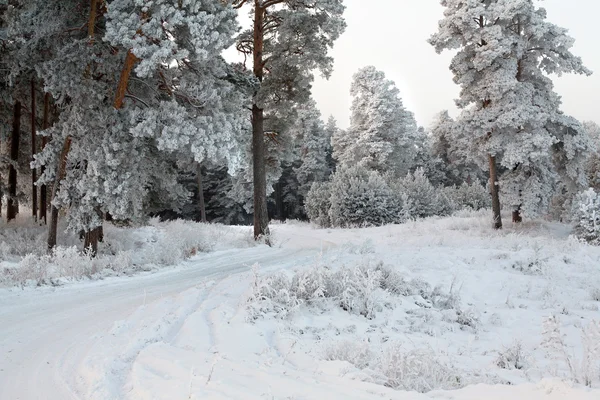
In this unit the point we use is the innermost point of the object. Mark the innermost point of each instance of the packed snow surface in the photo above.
(434, 309)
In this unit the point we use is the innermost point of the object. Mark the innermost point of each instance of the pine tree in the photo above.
(148, 93)
(305, 161)
(382, 133)
(289, 40)
(510, 113)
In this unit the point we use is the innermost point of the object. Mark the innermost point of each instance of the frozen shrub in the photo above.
(310, 285)
(121, 262)
(178, 240)
(586, 215)
(395, 283)
(469, 196)
(32, 268)
(356, 353)
(361, 197)
(444, 203)
(512, 357)
(420, 193)
(584, 369)
(420, 198)
(366, 247)
(357, 290)
(443, 300)
(70, 262)
(318, 203)
(417, 370)
(271, 295)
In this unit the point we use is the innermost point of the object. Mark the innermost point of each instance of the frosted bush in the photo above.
(395, 283)
(178, 240)
(318, 203)
(121, 262)
(417, 370)
(31, 268)
(512, 357)
(356, 353)
(420, 198)
(271, 295)
(586, 215)
(469, 196)
(365, 247)
(445, 300)
(361, 197)
(310, 285)
(69, 262)
(583, 369)
(359, 290)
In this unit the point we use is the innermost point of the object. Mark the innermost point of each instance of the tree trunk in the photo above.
(43, 188)
(91, 239)
(516, 216)
(61, 171)
(261, 216)
(34, 192)
(201, 195)
(130, 61)
(12, 204)
(495, 190)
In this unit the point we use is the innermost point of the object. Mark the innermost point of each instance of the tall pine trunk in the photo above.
(61, 171)
(201, 202)
(43, 188)
(91, 239)
(34, 192)
(495, 190)
(12, 205)
(261, 216)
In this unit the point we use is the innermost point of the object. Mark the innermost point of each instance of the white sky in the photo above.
(392, 35)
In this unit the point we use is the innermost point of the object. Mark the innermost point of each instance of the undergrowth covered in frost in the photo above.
(367, 291)
(125, 250)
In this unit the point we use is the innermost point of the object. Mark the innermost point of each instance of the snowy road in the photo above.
(45, 334)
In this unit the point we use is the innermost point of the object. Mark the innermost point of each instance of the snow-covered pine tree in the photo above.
(147, 94)
(331, 130)
(593, 162)
(305, 162)
(289, 40)
(447, 158)
(382, 133)
(506, 49)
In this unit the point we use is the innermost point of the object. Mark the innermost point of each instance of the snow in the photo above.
(188, 333)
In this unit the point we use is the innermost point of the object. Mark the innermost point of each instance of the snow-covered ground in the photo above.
(324, 314)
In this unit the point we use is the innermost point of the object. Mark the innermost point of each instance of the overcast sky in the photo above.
(392, 35)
